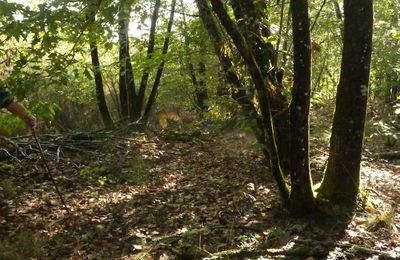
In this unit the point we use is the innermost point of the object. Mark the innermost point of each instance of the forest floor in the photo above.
(203, 194)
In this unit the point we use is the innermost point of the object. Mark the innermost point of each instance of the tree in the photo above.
(342, 175)
(150, 51)
(153, 93)
(199, 84)
(302, 197)
(250, 16)
(238, 89)
(261, 84)
(124, 57)
(101, 100)
(135, 98)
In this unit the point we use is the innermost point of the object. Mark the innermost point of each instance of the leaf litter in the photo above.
(148, 197)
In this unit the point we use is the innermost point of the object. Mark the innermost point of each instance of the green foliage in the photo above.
(134, 172)
(11, 124)
(8, 186)
(24, 244)
(45, 110)
(94, 173)
(138, 173)
(222, 108)
(387, 132)
(378, 214)
(386, 69)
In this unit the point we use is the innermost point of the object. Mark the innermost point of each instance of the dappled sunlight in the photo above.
(195, 197)
(199, 129)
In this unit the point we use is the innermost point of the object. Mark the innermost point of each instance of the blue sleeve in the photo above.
(5, 98)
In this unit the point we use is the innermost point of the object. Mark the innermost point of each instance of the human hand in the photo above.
(30, 121)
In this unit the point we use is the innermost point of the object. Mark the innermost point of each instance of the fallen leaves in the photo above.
(179, 199)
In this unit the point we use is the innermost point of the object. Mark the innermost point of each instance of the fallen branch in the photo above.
(15, 145)
(388, 155)
(296, 251)
(304, 251)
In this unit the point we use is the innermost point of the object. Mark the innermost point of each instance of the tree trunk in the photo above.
(123, 24)
(261, 86)
(150, 50)
(238, 89)
(249, 17)
(126, 80)
(100, 97)
(201, 91)
(157, 79)
(199, 85)
(302, 196)
(342, 177)
(338, 12)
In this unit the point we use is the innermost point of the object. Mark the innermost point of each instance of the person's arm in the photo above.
(20, 111)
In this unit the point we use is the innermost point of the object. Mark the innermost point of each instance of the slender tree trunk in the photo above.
(157, 79)
(126, 80)
(199, 85)
(342, 177)
(100, 97)
(338, 12)
(285, 44)
(281, 20)
(134, 114)
(123, 23)
(101, 100)
(150, 51)
(317, 15)
(192, 74)
(238, 89)
(302, 197)
(201, 91)
(249, 17)
(261, 86)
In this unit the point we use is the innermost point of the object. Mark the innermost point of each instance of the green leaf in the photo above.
(88, 74)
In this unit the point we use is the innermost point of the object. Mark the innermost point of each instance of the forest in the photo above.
(199, 129)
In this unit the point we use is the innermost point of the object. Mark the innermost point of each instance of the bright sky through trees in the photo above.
(135, 29)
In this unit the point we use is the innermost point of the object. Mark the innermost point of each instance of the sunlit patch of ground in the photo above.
(148, 198)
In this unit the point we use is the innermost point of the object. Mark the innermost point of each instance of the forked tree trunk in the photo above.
(342, 177)
(249, 19)
(261, 86)
(126, 80)
(238, 89)
(157, 79)
(302, 196)
(150, 50)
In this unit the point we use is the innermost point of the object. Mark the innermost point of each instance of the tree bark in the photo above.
(150, 50)
(342, 177)
(338, 12)
(126, 79)
(198, 84)
(201, 91)
(100, 97)
(157, 79)
(249, 21)
(123, 38)
(261, 86)
(302, 197)
(238, 89)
